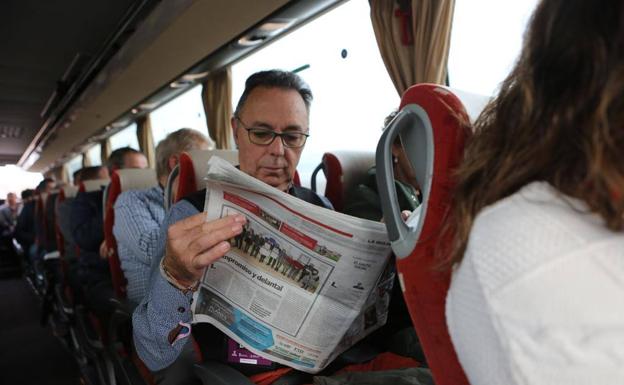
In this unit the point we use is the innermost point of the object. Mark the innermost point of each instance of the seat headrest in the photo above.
(93, 185)
(68, 191)
(473, 103)
(344, 170)
(194, 165)
(136, 178)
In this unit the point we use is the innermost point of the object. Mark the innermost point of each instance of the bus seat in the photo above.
(93, 185)
(126, 363)
(121, 180)
(433, 125)
(192, 170)
(343, 170)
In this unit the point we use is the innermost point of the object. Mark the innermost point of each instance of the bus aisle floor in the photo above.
(29, 353)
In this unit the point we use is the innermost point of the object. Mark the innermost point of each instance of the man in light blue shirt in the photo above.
(139, 214)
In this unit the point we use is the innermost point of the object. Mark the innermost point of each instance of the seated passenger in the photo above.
(273, 103)
(87, 229)
(365, 202)
(139, 214)
(24, 229)
(536, 295)
(8, 216)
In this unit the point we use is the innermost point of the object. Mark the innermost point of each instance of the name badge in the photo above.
(237, 354)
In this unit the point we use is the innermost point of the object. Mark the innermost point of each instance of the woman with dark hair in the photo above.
(537, 294)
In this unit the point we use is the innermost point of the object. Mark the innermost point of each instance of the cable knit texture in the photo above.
(539, 295)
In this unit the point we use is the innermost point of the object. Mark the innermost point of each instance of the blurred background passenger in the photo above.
(24, 229)
(365, 202)
(537, 292)
(86, 221)
(139, 214)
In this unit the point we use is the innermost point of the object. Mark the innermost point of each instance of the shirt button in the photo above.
(181, 309)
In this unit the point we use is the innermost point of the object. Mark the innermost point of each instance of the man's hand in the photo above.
(103, 250)
(193, 244)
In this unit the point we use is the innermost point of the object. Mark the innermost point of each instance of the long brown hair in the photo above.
(559, 118)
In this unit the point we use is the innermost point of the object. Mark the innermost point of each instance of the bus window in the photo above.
(127, 137)
(351, 87)
(184, 111)
(94, 155)
(485, 42)
(73, 165)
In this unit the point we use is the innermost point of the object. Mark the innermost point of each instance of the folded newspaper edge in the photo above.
(301, 283)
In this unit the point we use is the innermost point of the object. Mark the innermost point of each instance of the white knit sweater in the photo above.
(539, 295)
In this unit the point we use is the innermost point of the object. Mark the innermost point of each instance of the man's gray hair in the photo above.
(184, 139)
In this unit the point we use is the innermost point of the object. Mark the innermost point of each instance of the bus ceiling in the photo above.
(74, 72)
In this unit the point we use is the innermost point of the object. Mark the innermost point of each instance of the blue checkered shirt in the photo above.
(139, 215)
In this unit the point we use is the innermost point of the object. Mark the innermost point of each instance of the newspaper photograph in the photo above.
(300, 284)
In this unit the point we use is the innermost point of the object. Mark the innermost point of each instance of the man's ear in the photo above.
(173, 161)
(234, 124)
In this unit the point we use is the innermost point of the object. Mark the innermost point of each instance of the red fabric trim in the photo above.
(297, 179)
(117, 276)
(267, 378)
(186, 177)
(333, 174)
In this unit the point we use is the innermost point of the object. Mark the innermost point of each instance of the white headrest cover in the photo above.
(95, 184)
(473, 103)
(355, 165)
(137, 178)
(70, 191)
(200, 161)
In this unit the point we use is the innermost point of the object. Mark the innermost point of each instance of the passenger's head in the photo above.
(559, 117)
(76, 177)
(273, 102)
(403, 171)
(11, 199)
(126, 157)
(45, 185)
(27, 194)
(169, 149)
(93, 173)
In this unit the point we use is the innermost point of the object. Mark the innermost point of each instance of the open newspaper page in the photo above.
(301, 283)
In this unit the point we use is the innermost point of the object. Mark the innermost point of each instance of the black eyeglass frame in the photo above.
(273, 134)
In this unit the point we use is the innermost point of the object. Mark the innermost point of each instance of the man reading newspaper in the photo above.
(270, 127)
(274, 105)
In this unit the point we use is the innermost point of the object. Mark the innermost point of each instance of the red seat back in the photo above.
(434, 126)
(192, 169)
(344, 170)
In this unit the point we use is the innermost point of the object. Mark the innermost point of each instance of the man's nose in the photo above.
(277, 146)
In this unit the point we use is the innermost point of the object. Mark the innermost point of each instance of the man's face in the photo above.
(11, 199)
(278, 110)
(134, 160)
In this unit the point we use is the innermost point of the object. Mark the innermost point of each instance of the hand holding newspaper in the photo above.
(301, 283)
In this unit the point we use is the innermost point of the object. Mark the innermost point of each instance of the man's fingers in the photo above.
(209, 238)
(194, 227)
(209, 256)
(190, 222)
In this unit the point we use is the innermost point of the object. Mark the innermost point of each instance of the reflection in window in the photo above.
(352, 90)
(93, 154)
(73, 165)
(485, 42)
(185, 111)
(125, 138)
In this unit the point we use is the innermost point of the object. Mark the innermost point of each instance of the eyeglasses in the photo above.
(264, 137)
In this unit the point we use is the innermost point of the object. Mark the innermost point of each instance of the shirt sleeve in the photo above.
(135, 227)
(162, 321)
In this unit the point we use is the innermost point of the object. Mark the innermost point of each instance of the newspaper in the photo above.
(301, 284)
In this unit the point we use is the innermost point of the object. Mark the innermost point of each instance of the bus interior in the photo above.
(82, 79)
